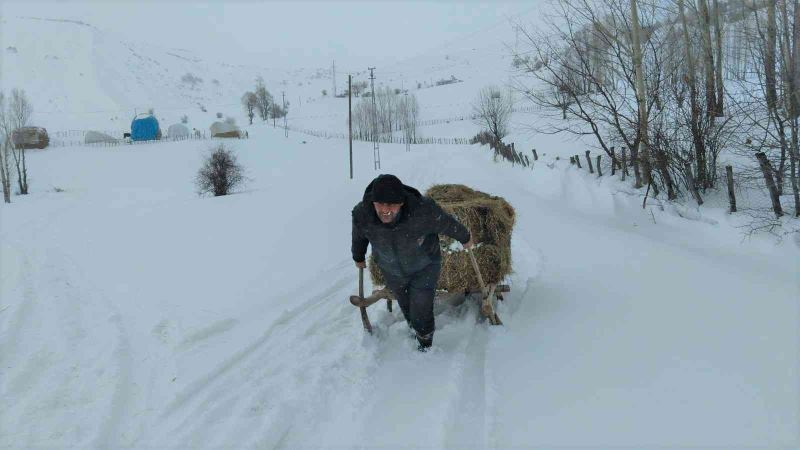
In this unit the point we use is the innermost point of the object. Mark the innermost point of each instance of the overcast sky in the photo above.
(291, 34)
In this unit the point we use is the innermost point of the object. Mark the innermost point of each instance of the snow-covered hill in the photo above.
(80, 77)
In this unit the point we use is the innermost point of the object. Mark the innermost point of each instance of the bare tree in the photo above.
(5, 150)
(708, 57)
(19, 113)
(408, 108)
(277, 111)
(581, 65)
(264, 99)
(720, 110)
(790, 39)
(492, 111)
(250, 102)
(392, 112)
(766, 99)
(641, 93)
(359, 87)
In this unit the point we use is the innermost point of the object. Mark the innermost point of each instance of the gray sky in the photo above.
(291, 34)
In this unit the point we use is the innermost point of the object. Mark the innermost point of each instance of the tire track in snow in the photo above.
(532, 262)
(286, 319)
(20, 315)
(76, 293)
(466, 428)
(57, 302)
(302, 359)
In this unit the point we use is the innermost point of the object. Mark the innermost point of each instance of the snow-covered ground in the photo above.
(135, 314)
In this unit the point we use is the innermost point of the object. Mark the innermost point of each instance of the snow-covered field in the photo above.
(135, 314)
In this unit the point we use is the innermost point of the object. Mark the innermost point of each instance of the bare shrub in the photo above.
(492, 111)
(190, 79)
(220, 174)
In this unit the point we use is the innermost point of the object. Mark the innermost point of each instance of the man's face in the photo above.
(387, 212)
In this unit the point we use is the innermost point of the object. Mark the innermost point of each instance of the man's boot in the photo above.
(425, 341)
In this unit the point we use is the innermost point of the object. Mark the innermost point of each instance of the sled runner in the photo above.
(486, 294)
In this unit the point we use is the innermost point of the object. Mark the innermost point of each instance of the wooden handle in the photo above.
(361, 282)
(364, 317)
(477, 271)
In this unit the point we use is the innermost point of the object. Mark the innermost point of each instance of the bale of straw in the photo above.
(490, 221)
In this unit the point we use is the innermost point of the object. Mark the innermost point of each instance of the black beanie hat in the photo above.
(387, 189)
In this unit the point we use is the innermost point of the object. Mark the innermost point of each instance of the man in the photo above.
(403, 228)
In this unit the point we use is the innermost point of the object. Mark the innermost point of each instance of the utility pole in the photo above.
(406, 112)
(350, 119)
(376, 150)
(285, 128)
(333, 73)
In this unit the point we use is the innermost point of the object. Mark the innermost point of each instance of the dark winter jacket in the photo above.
(411, 242)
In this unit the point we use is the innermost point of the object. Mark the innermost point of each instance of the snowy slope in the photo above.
(103, 79)
(136, 314)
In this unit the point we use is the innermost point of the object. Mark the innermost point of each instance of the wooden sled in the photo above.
(486, 294)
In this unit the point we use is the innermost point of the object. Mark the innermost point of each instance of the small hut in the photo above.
(178, 131)
(30, 137)
(225, 130)
(96, 137)
(145, 129)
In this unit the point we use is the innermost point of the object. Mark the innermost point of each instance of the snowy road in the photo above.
(137, 315)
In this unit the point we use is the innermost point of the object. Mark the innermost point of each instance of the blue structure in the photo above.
(145, 129)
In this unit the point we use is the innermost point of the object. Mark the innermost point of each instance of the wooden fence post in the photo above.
(766, 169)
(578, 161)
(731, 195)
(599, 172)
(513, 154)
(535, 155)
(589, 162)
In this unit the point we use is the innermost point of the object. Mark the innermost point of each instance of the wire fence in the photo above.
(72, 138)
(384, 139)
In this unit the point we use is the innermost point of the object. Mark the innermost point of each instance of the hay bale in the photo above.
(490, 221)
(96, 137)
(30, 138)
(374, 272)
(225, 130)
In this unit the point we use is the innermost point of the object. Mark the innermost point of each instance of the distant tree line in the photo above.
(15, 113)
(676, 82)
(260, 102)
(392, 111)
